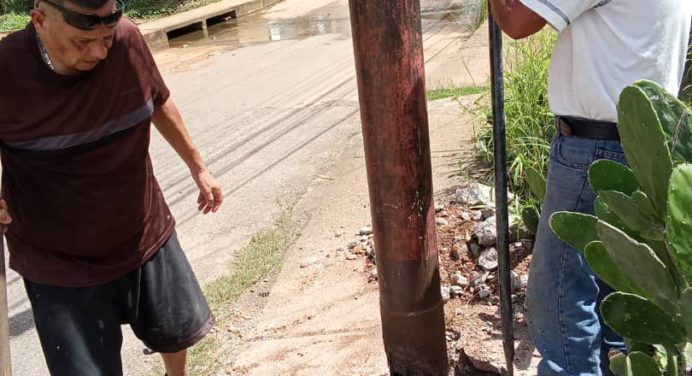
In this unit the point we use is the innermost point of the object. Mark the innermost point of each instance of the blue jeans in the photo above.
(563, 294)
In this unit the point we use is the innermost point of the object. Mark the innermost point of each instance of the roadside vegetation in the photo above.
(454, 92)
(686, 91)
(260, 258)
(529, 122)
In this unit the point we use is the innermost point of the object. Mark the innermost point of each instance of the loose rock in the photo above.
(478, 279)
(365, 231)
(458, 279)
(486, 232)
(477, 216)
(351, 257)
(352, 245)
(474, 194)
(475, 249)
(515, 279)
(441, 222)
(439, 207)
(359, 250)
(488, 259)
(465, 216)
(488, 212)
(446, 293)
(455, 291)
(483, 294)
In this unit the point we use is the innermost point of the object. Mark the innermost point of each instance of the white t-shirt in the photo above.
(605, 45)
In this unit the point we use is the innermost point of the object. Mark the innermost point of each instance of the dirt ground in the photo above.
(320, 315)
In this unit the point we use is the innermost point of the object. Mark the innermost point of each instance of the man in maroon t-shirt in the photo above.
(86, 222)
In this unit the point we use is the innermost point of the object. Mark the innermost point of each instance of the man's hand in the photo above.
(5, 218)
(210, 194)
(515, 19)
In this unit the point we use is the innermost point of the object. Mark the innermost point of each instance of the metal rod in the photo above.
(502, 214)
(5, 359)
(388, 48)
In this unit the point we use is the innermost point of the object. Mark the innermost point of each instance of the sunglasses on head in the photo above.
(89, 21)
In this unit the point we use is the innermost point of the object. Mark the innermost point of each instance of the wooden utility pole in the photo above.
(388, 46)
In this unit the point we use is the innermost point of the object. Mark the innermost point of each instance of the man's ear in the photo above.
(38, 18)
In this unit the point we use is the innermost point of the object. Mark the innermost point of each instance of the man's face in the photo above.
(72, 49)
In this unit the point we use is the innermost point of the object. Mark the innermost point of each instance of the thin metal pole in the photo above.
(5, 359)
(502, 214)
(388, 48)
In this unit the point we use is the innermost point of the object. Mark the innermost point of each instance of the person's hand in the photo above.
(210, 194)
(5, 218)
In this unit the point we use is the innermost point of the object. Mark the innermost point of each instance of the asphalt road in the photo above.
(270, 102)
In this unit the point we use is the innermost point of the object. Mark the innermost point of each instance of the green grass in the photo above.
(482, 15)
(454, 92)
(529, 122)
(262, 256)
(13, 21)
(148, 9)
(686, 92)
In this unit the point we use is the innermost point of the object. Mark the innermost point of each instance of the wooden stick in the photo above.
(5, 359)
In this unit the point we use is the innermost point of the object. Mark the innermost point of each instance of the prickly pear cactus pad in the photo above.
(645, 145)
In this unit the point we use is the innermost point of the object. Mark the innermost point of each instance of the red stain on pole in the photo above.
(388, 46)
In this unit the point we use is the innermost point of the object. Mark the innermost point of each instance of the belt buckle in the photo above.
(564, 128)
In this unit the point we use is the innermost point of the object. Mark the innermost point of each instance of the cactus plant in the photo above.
(640, 241)
(675, 120)
(531, 214)
(575, 229)
(644, 364)
(537, 183)
(604, 213)
(640, 264)
(608, 271)
(640, 129)
(679, 219)
(641, 320)
(633, 214)
(606, 175)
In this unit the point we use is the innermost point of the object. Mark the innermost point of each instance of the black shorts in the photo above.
(80, 329)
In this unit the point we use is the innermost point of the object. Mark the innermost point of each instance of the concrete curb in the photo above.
(156, 33)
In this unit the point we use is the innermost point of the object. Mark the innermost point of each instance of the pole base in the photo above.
(413, 346)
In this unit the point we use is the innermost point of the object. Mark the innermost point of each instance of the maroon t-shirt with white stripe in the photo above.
(77, 175)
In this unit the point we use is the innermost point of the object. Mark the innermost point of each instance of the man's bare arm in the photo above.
(515, 19)
(170, 124)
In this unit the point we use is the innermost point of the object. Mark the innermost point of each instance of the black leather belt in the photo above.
(587, 128)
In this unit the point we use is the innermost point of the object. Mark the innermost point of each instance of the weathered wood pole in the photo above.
(388, 46)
